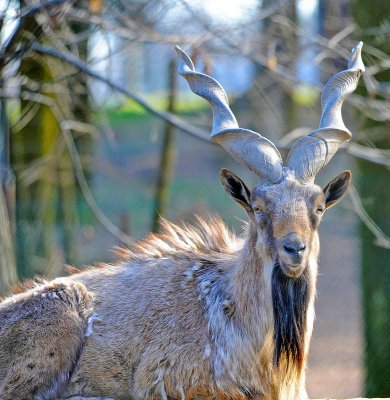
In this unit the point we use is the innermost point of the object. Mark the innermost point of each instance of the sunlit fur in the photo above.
(191, 313)
(204, 241)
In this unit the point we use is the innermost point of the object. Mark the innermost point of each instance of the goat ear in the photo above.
(335, 190)
(236, 189)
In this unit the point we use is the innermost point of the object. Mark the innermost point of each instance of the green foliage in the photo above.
(305, 94)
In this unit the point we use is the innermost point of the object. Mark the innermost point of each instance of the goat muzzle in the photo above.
(292, 254)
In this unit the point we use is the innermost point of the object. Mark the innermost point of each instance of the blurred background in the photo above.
(99, 136)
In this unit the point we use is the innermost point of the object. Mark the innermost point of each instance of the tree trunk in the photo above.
(35, 196)
(8, 275)
(167, 154)
(374, 183)
(45, 210)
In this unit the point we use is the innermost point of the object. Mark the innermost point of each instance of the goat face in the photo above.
(286, 215)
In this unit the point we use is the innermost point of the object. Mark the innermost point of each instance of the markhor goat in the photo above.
(194, 312)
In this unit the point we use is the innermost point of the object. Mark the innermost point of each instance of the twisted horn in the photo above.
(312, 152)
(249, 148)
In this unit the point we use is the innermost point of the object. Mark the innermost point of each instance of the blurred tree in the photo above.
(81, 29)
(79, 105)
(8, 275)
(374, 182)
(335, 14)
(168, 154)
(45, 182)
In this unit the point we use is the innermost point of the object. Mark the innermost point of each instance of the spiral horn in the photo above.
(249, 148)
(313, 151)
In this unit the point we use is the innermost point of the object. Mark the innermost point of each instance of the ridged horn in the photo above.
(312, 152)
(249, 148)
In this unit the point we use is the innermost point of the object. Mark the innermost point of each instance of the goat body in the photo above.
(193, 313)
(186, 315)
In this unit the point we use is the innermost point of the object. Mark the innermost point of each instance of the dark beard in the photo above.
(290, 298)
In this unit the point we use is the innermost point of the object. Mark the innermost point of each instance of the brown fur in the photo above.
(185, 314)
(288, 223)
(71, 270)
(28, 284)
(205, 241)
(42, 331)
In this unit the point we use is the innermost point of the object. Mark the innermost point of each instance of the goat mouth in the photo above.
(290, 270)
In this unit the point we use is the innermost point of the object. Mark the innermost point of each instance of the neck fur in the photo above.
(251, 285)
(263, 324)
(269, 302)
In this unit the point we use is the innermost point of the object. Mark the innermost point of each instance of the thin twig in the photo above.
(29, 12)
(377, 156)
(381, 239)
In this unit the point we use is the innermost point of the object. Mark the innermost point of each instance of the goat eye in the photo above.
(257, 210)
(320, 210)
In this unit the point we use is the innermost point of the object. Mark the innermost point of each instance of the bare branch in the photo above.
(28, 12)
(178, 122)
(102, 218)
(33, 10)
(353, 148)
(377, 156)
(381, 239)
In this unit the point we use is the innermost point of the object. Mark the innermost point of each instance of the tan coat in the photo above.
(185, 315)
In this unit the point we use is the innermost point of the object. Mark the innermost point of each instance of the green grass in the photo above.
(183, 105)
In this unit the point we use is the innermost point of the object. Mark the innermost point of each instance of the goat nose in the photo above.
(295, 248)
